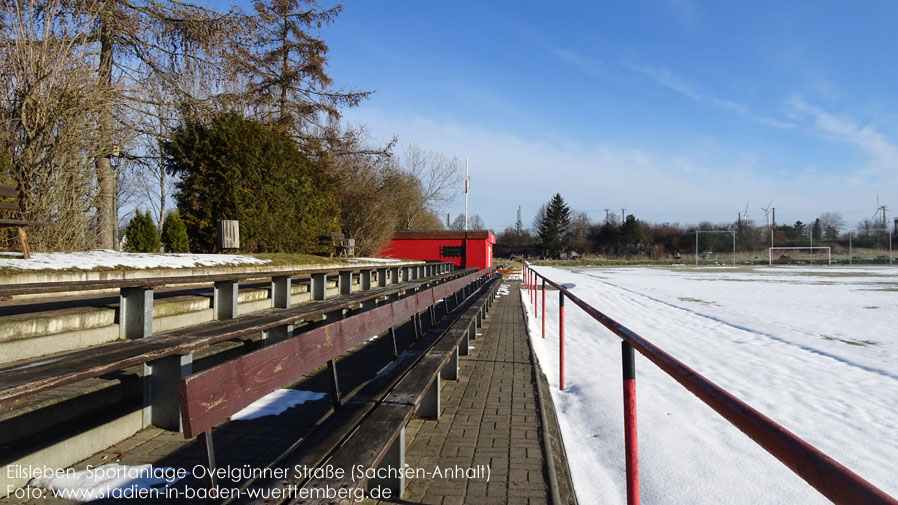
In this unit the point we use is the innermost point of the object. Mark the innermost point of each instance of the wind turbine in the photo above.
(881, 212)
(767, 218)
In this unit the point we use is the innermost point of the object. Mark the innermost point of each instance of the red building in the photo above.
(465, 249)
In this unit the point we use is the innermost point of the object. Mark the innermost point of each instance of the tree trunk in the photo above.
(106, 220)
(161, 199)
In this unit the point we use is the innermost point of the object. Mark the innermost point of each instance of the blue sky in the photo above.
(677, 110)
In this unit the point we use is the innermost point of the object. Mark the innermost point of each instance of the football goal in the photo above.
(800, 255)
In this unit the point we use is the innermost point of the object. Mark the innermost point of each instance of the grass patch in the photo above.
(280, 259)
(695, 300)
(850, 341)
(275, 260)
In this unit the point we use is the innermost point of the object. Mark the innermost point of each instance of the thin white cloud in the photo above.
(690, 184)
(883, 154)
(586, 64)
(667, 79)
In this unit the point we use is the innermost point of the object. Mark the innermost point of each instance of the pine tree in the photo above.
(141, 234)
(174, 234)
(286, 66)
(554, 227)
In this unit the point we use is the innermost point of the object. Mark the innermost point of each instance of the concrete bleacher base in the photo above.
(489, 416)
(76, 406)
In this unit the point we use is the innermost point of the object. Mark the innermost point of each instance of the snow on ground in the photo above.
(813, 348)
(275, 403)
(111, 259)
(375, 260)
(107, 481)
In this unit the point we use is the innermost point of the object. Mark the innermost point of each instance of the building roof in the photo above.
(445, 235)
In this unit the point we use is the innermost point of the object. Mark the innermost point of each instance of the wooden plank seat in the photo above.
(379, 441)
(375, 417)
(209, 397)
(313, 450)
(9, 191)
(21, 379)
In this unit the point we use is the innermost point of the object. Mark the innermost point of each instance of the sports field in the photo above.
(814, 348)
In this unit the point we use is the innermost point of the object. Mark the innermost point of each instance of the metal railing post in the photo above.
(535, 306)
(631, 446)
(544, 307)
(533, 292)
(561, 340)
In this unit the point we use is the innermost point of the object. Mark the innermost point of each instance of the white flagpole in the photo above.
(467, 184)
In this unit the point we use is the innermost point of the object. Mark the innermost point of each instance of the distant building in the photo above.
(465, 249)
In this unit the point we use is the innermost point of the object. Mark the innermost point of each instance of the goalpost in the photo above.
(697, 232)
(829, 256)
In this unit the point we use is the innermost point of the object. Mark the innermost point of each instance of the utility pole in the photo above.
(606, 214)
(622, 215)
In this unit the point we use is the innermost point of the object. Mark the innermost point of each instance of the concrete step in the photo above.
(30, 335)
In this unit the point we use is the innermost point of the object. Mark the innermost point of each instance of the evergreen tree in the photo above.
(141, 234)
(235, 168)
(554, 227)
(174, 234)
(285, 66)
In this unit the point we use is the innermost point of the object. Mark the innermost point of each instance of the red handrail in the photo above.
(833, 480)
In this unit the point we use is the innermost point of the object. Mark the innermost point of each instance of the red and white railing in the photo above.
(834, 481)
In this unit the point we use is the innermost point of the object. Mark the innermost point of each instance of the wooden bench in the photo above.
(379, 442)
(9, 191)
(210, 397)
(338, 244)
(167, 357)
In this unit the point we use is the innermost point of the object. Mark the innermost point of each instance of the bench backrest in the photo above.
(156, 282)
(8, 191)
(209, 397)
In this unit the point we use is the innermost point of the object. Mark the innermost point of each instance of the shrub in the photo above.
(235, 168)
(174, 234)
(141, 234)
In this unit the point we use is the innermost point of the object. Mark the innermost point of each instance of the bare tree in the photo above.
(475, 222)
(369, 187)
(98, 55)
(832, 223)
(139, 41)
(50, 100)
(439, 178)
(579, 234)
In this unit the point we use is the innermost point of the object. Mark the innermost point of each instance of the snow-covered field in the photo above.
(105, 258)
(815, 349)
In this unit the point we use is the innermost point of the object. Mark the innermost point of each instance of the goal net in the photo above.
(800, 255)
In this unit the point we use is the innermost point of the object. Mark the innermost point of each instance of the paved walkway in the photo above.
(490, 417)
